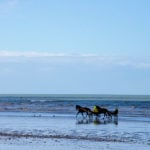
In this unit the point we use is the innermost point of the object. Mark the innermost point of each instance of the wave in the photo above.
(135, 106)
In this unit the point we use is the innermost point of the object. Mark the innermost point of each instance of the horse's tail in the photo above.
(115, 112)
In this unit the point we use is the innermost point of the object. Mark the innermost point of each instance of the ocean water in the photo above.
(54, 116)
(128, 105)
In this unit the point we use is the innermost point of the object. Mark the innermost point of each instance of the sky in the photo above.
(74, 47)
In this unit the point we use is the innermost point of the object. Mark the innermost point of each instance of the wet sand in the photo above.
(63, 132)
(10, 143)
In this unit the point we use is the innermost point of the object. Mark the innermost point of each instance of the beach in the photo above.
(64, 132)
(67, 144)
(58, 128)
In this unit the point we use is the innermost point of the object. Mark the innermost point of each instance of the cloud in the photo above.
(91, 59)
(7, 5)
(29, 54)
(4, 53)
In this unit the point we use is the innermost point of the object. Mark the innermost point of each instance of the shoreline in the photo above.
(67, 144)
(49, 127)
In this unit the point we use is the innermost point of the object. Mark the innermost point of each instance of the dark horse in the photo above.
(83, 110)
(114, 113)
(106, 112)
(100, 110)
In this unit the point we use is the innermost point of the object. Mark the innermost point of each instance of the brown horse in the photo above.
(106, 112)
(89, 112)
(100, 110)
(83, 110)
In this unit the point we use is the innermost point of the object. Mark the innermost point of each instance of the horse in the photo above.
(114, 113)
(82, 110)
(106, 112)
(101, 110)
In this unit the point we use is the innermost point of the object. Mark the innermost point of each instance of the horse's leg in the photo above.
(104, 115)
(77, 113)
(90, 115)
(82, 114)
(86, 114)
(97, 116)
(116, 119)
(109, 115)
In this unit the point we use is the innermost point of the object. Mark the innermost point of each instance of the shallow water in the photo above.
(54, 117)
(127, 105)
(68, 127)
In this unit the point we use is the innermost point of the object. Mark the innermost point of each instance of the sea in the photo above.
(54, 116)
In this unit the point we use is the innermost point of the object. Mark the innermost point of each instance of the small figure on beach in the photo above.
(95, 109)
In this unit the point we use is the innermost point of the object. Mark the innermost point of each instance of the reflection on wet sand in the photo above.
(96, 120)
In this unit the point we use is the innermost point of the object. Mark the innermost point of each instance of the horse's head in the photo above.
(77, 107)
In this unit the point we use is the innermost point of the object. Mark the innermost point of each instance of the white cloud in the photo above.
(4, 53)
(75, 58)
(29, 54)
(7, 5)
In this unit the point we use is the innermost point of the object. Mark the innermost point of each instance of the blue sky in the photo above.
(68, 46)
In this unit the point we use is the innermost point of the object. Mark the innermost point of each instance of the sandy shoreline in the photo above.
(62, 132)
(7, 143)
